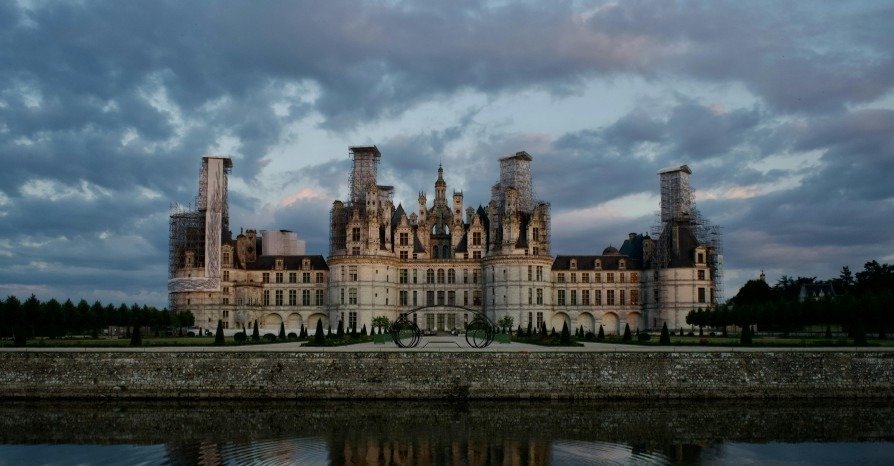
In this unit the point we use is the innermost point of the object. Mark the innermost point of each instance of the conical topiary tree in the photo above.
(665, 338)
(282, 330)
(681, 331)
(565, 338)
(218, 334)
(319, 337)
(543, 329)
(135, 338)
(340, 330)
(354, 331)
(601, 334)
(530, 331)
(255, 334)
(363, 331)
(627, 335)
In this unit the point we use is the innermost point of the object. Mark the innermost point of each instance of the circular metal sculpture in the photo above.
(480, 332)
(405, 333)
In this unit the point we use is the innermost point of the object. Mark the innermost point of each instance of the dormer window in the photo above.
(305, 264)
(573, 264)
(278, 264)
(622, 264)
(598, 264)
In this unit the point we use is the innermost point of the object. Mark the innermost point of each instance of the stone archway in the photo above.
(635, 320)
(556, 321)
(294, 322)
(610, 323)
(587, 321)
(272, 322)
(312, 322)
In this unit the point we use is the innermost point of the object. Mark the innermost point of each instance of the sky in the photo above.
(784, 111)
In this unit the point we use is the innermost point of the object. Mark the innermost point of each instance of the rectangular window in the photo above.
(634, 297)
(415, 299)
(585, 297)
(278, 297)
(609, 277)
(574, 297)
(430, 298)
(320, 297)
(265, 277)
(355, 251)
(352, 320)
(404, 239)
(701, 295)
(539, 295)
(403, 298)
(305, 277)
(465, 275)
(293, 277)
(539, 273)
(278, 277)
(320, 277)
(415, 276)
(226, 275)
(226, 301)
(305, 297)
(355, 234)
(451, 298)
(530, 295)
(475, 277)
(402, 275)
(440, 298)
(293, 297)
(610, 297)
(539, 319)
(701, 274)
(597, 277)
(404, 255)
(634, 277)
(476, 297)
(352, 295)
(342, 297)
(465, 297)
(530, 272)
(621, 298)
(536, 234)
(622, 278)
(352, 273)
(476, 238)
(585, 277)
(451, 276)
(597, 297)
(560, 277)
(560, 298)
(573, 278)
(701, 258)
(476, 255)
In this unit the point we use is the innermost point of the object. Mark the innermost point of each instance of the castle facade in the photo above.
(442, 257)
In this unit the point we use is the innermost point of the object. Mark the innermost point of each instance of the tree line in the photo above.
(33, 318)
(861, 303)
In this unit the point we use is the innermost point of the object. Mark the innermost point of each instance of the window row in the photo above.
(622, 277)
(612, 297)
(278, 298)
(279, 277)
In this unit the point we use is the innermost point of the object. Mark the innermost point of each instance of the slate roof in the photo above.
(292, 263)
(587, 263)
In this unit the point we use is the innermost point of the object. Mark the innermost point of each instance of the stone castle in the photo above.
(443, 257)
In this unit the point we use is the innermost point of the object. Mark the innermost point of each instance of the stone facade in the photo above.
(463, 374)
(444, 261)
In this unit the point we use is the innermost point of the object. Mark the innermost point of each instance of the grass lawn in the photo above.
(779, 342)
(125, 342)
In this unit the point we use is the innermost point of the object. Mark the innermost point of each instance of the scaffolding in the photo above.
(515, 172)
(364, 168)
(198, 233)
(676, 194)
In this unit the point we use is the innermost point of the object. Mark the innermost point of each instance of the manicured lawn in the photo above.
(757, 341)
(125, 342)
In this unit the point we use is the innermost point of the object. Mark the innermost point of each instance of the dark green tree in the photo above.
(282, 330)
(363, 331)
(601, 334)
(135, 338)
(319, 338)
(218, 334)
(745, 335)
(255, 334)
(665, 338)
(530, 331)
(627, 335)
(340, 329)
(565, 338)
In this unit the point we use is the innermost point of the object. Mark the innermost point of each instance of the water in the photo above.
(441, 433)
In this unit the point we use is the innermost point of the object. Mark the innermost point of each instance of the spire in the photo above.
(440, 181)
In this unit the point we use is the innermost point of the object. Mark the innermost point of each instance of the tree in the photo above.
(382, 322)
(218, 335)
(505, 322)
(340, 330)
(255, 334)
(565, 338)
(601, 334)
(530, 331)
(363, 331)
(319, 338)
(135, 338)
(627, 335)
(745, 335)
(665, 338)
(282, 330)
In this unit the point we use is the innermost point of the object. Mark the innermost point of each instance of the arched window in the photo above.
(440, 275)
(451, 276)
(430, 276)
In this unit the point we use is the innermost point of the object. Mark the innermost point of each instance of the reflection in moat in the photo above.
(439, 433)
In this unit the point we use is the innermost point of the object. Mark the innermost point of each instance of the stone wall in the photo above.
(415, 374)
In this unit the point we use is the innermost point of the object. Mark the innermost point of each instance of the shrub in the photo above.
(282, 331)
(566, 334)
(363, 331)
(665, 338)
(643, 336)
(319, 338)
(601, 335)
(690, 334)
(627, 335)
(270, 337)
(240, 337)
(293, 336)
(590, 336)
(218, 334)
(255, 335)
(190, 334)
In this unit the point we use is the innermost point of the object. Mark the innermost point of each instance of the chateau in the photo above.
(442, 256)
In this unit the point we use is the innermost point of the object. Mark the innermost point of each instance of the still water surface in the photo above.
(440, 433)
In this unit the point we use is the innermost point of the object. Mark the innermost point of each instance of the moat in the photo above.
(818, 431)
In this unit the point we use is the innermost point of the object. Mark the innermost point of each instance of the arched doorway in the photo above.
(272, 322)
(294, 322)
(557, 320)
(635, 320)
(586, 320)
(312, 322)
(610, 323)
